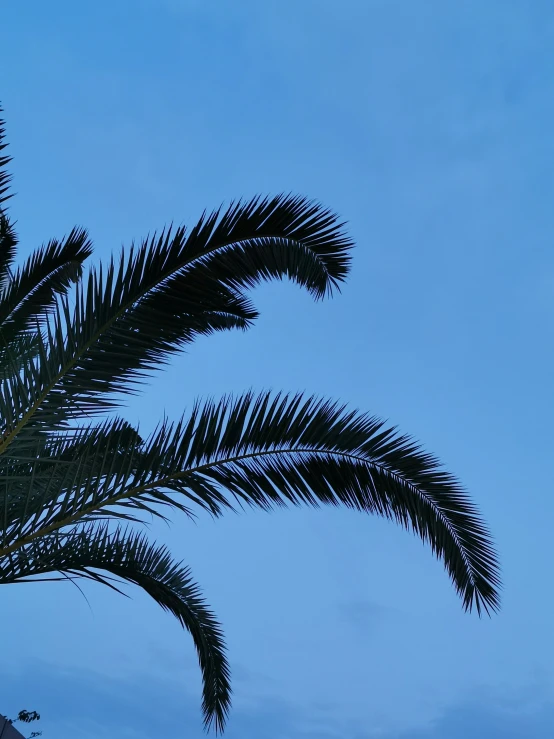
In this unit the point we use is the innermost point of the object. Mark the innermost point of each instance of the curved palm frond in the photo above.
(275, 450)
(83, 551)
(168, 291)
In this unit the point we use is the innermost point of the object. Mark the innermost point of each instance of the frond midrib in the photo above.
(139, 490)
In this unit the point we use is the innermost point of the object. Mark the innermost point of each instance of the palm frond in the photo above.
(86, 550)
(8, 246)
(5, 177)
(32, 293)
(278, 450)
(129, 319)
(8, 237)
(42, 473)
(16, 354)
(269, 451)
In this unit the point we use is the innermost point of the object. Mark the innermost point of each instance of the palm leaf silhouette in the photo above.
(77, 481)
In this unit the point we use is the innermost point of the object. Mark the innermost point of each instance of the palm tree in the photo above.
(76, 481)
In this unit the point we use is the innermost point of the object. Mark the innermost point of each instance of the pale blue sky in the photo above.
(427, 125)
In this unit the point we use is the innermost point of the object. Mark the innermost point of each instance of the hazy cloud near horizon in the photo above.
(79, 704)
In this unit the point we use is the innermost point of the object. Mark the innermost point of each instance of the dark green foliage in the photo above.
(73, 485)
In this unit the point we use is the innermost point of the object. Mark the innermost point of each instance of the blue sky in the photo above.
(428, 126)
